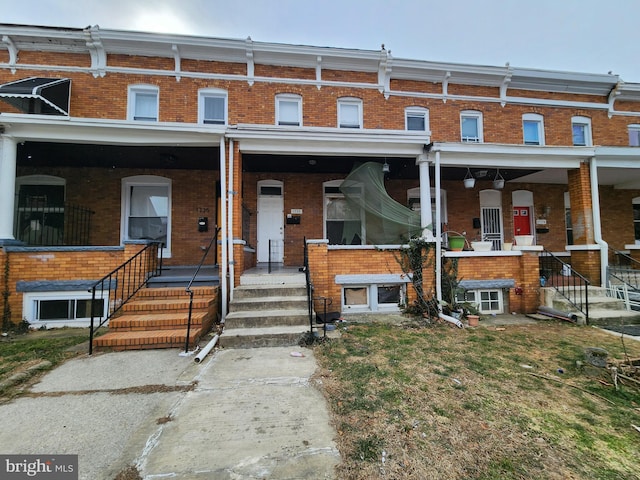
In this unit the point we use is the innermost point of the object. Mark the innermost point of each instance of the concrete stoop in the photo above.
(158, 318)
(267, 310)
(603, 310)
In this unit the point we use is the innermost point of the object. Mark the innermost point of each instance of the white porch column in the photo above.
(426, 219)
(8, 153)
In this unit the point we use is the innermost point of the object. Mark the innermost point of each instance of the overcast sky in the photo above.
(593, 36)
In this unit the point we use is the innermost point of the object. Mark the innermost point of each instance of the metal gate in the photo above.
(492, 226)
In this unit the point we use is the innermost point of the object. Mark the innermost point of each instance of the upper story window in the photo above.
(289, 109)
(212, 107)
(143, 103)
(349, 113)
(634, 135)
(417, 119)
(581, 128)
(533, 129)
(471, 126)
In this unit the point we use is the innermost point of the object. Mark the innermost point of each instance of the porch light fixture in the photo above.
(498, 182)
(469, 181)
(385, 167)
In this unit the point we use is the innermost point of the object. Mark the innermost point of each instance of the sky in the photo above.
(590, 36)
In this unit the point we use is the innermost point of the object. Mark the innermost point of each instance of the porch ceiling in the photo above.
(50, 154)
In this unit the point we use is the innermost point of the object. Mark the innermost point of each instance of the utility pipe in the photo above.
(597, 228)
(230, 223)
(207, 348)
(223, 229)
(438, 233)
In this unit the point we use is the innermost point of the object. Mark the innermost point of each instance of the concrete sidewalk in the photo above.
(250, 413)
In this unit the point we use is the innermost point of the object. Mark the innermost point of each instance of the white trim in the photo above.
(634, 135)
(289, 98)
(132, 94)
(416, 111)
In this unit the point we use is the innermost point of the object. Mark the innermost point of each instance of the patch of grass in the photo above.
(24, 356)
(497, 422)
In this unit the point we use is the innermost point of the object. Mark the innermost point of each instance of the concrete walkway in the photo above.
(240, 414)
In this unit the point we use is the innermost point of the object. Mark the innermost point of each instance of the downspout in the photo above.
(597, 229)
(230, 223)
(223, 230)
(438, 240)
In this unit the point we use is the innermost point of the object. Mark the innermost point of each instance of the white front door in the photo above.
(270, 219)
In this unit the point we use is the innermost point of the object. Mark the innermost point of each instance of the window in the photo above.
(143, 103)
(417, 119)
(634, 135)
(344, 224)
(636, 219)
(373, 297)
(289, 110)
(146, 210)
(471, 126)
(212, 107)
(581, 128)
(349, 113)
(62, 308)
(40, 210)
(567, 218)
(487, 301)
(533, 129)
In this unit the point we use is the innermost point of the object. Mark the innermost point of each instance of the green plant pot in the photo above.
(456, 243)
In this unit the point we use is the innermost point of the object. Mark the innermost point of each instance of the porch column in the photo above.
(426, 218)
(8, 153)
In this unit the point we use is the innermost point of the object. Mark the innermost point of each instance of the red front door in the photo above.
(521, 220)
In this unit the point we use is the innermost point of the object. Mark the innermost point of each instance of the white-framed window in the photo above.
(373, 297)
(349, 112)
(143, 103)
(533, 129)
(289, 109)
(636, 219)
(567, 218)
(146, 210)
(471, 126)
(62, 308)
(581, 131)
(212, 106)
(343, 223)
(416, 119)
(485, 300)
(634, 135)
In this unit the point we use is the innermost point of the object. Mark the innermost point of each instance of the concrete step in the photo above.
(268, 303)
(254, 291)
(167, 305)
(157, 321)
(602, 303)
(613, 317)
(267, 318)
(139, 340)
(278, 336)
(276, 278)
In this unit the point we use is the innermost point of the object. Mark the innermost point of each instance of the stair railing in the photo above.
(566, 281)
(193, 278)
(120, 285)
(623, 269)
(307, 275)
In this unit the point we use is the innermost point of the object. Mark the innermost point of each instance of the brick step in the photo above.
(279, 336)
(267, 318)
(253, 291)
(156, 321)
(176, 292)
(175, 338)
(166, 305)
(268, 303)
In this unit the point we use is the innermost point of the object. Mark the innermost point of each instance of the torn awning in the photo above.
(43, 96)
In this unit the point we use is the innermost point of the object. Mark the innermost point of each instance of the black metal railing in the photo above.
(120, 285)
(214, 240)
(50, 225)
(623, 277)
(566, 281)
(307, 275)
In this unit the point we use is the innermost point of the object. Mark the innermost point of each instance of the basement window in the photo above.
(487, 301)
(373, 298)
(62, 308)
